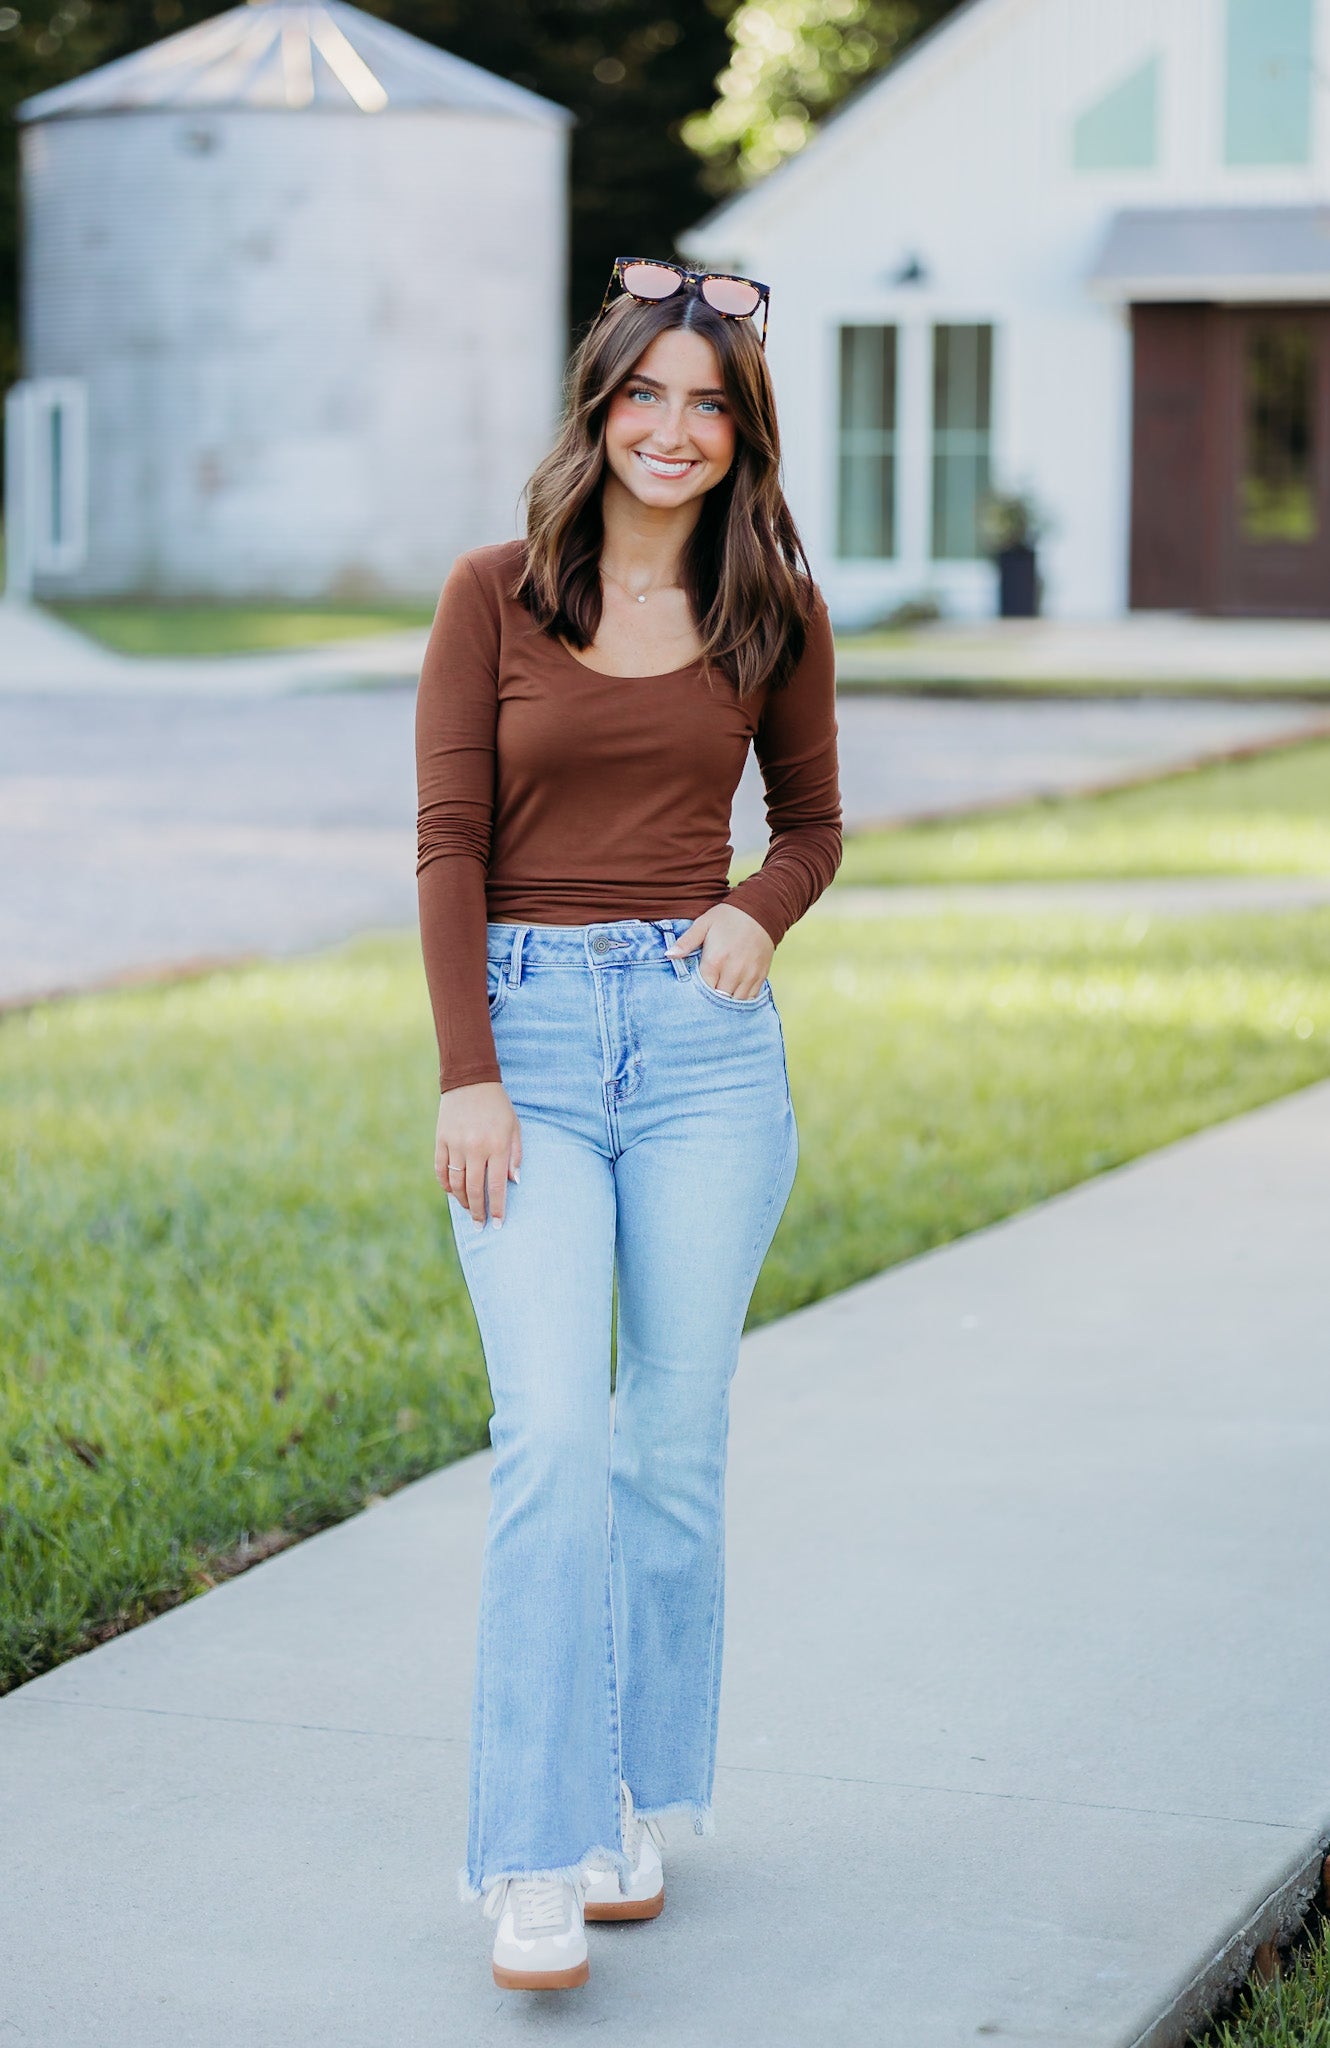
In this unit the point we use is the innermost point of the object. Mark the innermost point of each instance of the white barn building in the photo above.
(1078, 249)
(293, 313)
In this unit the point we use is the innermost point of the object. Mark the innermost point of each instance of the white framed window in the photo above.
(866, 444)
(962, 438)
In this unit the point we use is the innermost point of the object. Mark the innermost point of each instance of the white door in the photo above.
(46, 481)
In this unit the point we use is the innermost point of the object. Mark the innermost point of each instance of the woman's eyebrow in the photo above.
(700, 391)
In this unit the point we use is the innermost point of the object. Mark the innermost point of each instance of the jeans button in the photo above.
(600, 944)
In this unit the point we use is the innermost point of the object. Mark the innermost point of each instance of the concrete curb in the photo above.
(1280, 1913)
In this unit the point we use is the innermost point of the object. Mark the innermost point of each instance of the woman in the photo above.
(614, 1096)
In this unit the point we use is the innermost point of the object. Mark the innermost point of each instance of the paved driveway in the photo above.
(140, 831)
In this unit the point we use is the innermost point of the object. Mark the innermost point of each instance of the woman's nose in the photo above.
(669, 429)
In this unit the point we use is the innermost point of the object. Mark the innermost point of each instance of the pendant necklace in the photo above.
(639, 597)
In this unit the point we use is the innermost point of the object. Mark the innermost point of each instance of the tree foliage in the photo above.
(631, 71)
(649, 147)
(790, 63)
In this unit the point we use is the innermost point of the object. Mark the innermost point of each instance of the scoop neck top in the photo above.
(662, 676)
(554, 793)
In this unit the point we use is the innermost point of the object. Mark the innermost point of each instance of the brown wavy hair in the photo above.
(744, 569)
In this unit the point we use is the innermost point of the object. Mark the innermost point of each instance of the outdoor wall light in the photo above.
(911, 270)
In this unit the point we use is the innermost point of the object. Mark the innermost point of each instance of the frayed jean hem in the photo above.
(468, 1891)
(700, 1815)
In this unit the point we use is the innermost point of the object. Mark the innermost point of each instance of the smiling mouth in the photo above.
(655, 465)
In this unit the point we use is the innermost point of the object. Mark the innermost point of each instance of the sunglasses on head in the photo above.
(734, 298)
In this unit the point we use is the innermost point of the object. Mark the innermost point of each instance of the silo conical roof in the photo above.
(288, 55)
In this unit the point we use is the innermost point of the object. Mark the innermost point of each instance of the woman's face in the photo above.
(669, 432)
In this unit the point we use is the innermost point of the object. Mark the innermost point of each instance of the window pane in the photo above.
(1267, 112)
(1279, 405)
(962, 408)
(1118, 133)
(866, 457)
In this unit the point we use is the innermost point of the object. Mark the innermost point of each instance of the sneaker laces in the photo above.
(540, 1904)
(632, 1826)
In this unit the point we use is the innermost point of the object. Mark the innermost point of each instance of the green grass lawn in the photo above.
(198, 629)
(1264, 816)
(231, 1300)
(1290, 2010)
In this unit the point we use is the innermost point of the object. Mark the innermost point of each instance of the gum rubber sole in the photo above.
(542, 1980)
(627, 1909)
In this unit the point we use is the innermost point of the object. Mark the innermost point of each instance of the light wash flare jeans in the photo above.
(658, 1141)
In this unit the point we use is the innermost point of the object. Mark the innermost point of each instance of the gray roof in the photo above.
(1215, 252)
(287, 55)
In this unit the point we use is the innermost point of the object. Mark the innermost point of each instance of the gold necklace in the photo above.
(639, 597)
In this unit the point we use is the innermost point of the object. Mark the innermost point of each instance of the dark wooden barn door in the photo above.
(1273, 540)
(1231, 459)
(1170, 539)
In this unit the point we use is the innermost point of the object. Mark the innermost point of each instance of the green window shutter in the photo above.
(1268, 88)
(866, 444)
(1120, 132)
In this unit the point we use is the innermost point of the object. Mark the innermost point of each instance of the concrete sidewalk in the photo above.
(39, 652)
(1143, 650)
(1023, 1734)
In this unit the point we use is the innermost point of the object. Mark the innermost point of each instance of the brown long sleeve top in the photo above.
(551, 794)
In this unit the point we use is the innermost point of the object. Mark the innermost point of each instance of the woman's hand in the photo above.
(478, 1134)
(736, 951)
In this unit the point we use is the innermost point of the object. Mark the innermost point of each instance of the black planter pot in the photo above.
(1018, 582)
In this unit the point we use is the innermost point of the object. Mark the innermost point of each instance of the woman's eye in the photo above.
(641, 392)
(710, 405)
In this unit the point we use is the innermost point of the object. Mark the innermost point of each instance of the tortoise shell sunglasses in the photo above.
(734, 298)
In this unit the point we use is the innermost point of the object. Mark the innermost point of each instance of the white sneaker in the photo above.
(643, 1896)
(540, 1944)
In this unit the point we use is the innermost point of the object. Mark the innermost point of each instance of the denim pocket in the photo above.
(497, 984)
(724, 1002)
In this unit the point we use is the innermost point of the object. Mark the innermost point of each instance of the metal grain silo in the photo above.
(294, 310)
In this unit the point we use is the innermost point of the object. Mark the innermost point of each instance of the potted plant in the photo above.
(1012, 525)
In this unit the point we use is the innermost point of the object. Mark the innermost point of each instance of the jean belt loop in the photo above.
(673, 926)
(515, 957)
